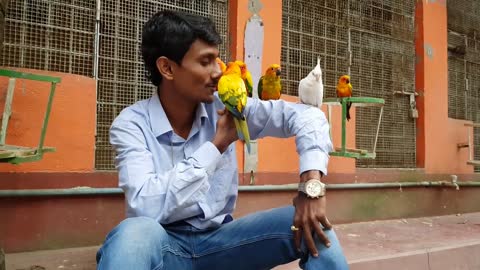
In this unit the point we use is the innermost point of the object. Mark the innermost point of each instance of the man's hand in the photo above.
(309, 214)
(226, 131)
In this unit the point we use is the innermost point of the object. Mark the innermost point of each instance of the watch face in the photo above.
(314, 188)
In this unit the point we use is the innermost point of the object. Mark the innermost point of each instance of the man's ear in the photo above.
(164, 66)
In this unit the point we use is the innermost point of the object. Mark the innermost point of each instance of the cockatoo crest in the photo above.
(317, 71)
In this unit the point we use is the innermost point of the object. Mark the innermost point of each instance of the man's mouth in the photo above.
(212, 86)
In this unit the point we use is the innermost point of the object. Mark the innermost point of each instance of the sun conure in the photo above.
(246, 77)
(233, 93)
(270, 86)
(344, 89)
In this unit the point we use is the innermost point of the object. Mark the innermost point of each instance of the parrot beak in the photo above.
(279, 72)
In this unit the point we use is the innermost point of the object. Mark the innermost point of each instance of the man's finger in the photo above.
(307, 236)
(321, 234)
(326, 223)
(297, 237)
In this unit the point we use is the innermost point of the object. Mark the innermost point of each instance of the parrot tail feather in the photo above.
(237, 127)
(242, 130)
(349, 104)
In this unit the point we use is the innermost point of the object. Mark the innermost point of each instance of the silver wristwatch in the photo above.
(313, 188)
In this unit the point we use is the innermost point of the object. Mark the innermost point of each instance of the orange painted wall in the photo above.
(271, 14)
(71, 126)
(437, 134)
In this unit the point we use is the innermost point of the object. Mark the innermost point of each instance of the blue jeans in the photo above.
(261, 240)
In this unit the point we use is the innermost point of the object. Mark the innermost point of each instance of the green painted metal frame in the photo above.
(19, 154)
(357, 102)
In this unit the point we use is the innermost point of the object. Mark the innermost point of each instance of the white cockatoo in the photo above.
(310, 89)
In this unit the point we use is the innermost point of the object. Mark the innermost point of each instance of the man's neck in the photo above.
(180, 112)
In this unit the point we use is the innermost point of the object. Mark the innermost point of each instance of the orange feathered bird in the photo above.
(246, 77)
(344, 89)
(270, 85)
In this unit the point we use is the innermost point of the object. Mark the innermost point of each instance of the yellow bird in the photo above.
(246, 77)
(233, 93)
(270, 86)
(344, 89)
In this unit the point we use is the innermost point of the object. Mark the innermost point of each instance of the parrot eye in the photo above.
(348, 81)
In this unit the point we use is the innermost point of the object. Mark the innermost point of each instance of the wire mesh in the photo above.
(50, 35)
(122, 78)
(382, 66)
(381, 43)
(59, 35)
(464, 64)
(311, 29)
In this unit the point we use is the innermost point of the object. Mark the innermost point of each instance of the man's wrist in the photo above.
(313, 188)
(312, 174)
(220, 146)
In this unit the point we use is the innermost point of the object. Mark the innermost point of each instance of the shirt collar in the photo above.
(201, 112)
(159, 121)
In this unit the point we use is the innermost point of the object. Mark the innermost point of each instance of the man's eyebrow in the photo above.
(209, 55)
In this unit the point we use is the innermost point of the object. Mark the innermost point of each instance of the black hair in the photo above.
(171, 33)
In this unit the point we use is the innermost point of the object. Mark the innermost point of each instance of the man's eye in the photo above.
(205, 63)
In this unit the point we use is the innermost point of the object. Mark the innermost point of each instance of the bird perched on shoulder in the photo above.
(344, 89)
(310, 88)
(233, 93)
(221, 64)
(246, 77)
(270, 86)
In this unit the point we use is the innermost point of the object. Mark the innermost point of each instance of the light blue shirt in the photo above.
(168, 178)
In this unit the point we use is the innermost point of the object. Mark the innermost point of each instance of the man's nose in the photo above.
(216, 72)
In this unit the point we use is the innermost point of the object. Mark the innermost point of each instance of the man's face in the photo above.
(197, 77)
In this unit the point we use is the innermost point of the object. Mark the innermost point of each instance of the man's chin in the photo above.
(210, 99)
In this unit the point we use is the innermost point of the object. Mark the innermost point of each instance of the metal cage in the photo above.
(464, 65)
(373, 41)
(97, 38)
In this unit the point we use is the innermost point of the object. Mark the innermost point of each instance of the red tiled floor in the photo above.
(430, 243)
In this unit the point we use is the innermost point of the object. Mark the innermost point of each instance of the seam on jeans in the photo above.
(242, 243)
(159, 266)
(176, 252)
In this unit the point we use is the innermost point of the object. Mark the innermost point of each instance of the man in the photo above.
(177, 166)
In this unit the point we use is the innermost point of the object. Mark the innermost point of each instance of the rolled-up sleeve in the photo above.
(283, 119)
